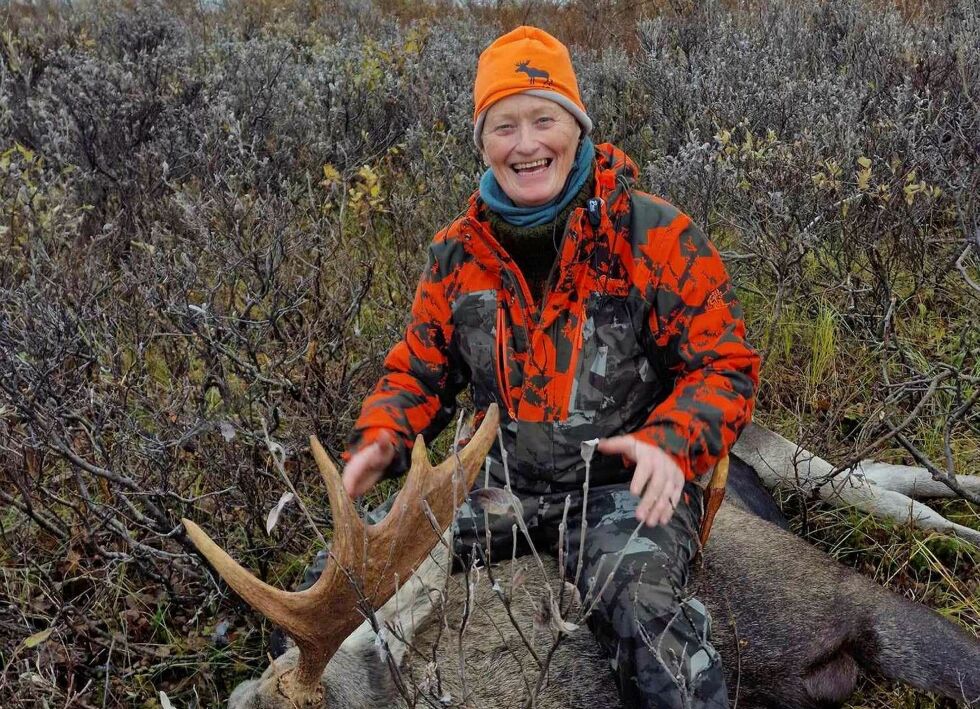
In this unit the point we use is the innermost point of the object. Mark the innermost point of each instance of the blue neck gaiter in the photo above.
(498, 201)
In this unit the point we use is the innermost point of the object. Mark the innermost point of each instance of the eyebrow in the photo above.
(511, 116)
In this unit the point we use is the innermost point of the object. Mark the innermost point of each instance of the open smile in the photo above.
(533, 167)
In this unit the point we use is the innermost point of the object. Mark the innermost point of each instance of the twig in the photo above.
(892, 431)
(28, 510)
(108, 661)
(961, 267)
(938, 475)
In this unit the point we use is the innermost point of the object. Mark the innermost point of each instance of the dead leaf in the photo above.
(587, 449)
(542, 613)
(273, 518)
(497, 501)
(572, 590)
(165, 702)
(518, 579)
(559, 624)
(227, 430)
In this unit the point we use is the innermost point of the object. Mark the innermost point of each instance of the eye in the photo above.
(545, 120)
(503, 127)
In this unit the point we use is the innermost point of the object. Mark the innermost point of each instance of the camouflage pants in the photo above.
(657, 639)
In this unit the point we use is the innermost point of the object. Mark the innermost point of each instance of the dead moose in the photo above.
(794, 627)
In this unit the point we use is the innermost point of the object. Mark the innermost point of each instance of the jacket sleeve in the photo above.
(417, 392)
(698, 333)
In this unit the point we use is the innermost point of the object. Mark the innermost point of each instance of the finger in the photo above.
(671, 498)
(675, 497)
(641, 475)
(664, 509)
(365, 467)
(652, 494)
(618, 445)
(660, 513)
(353, 472)
(357, 486)
(654, 509)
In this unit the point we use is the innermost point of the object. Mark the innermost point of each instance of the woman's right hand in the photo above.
(367, 465)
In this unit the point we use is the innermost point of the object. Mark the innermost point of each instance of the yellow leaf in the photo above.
(863, 178)
(910, 191)
(864, 162)
(38, 638)
(330, 174)
(25, 152)
(367, 174)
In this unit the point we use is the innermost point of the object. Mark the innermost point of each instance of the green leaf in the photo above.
(38, 638)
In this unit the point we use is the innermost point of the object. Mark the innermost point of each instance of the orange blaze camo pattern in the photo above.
(638, 333)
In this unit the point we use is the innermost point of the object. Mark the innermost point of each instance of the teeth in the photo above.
(529, 165)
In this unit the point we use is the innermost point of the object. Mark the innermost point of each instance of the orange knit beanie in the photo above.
(526, 60)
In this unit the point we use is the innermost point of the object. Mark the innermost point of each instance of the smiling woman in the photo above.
(585, 309)
(529, 144)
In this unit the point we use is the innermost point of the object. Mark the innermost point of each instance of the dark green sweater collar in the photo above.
(506, 232)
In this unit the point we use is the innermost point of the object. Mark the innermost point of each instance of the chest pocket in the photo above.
(475, 330)
(614, 372)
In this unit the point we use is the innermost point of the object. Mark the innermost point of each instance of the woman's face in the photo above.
(530, 143)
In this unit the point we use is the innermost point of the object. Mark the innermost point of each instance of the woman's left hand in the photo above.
(657, 480)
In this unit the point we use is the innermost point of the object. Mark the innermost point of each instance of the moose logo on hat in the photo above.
(533, 74)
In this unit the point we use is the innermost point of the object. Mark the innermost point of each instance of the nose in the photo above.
(526, 144)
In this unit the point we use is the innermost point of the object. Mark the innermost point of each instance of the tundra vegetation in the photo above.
(212, 220)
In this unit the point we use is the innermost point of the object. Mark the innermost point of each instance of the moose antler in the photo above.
(367, 562)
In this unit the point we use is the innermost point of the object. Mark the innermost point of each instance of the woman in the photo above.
(585, 309)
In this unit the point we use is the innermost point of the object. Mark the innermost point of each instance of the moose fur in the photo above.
(794, 627)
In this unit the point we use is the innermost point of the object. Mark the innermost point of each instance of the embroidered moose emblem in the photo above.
(534, 74)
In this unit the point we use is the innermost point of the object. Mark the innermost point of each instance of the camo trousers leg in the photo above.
(657, 639)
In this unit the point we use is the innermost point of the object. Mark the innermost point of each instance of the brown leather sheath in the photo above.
(714, 493)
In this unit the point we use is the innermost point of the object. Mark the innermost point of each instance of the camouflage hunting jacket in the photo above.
(638, 332)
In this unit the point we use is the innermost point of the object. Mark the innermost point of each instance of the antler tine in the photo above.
(266, 599)
(437, 486)
(349, 530)
(474, 453)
